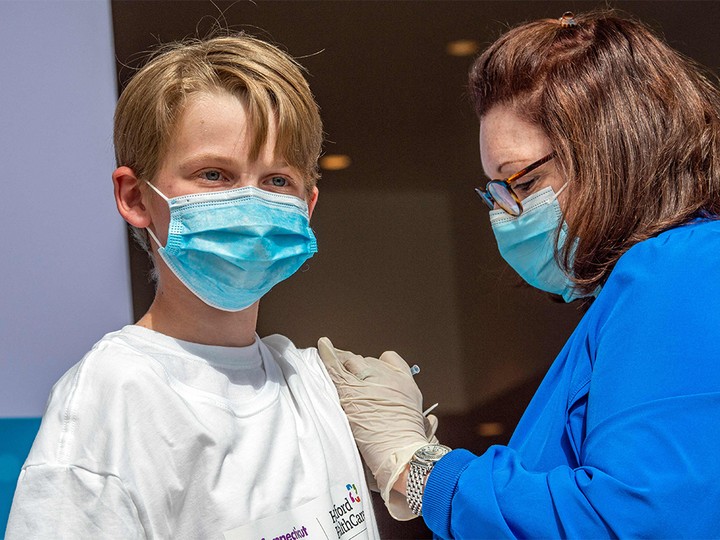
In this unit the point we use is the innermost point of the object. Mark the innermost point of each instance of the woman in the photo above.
(614, 142)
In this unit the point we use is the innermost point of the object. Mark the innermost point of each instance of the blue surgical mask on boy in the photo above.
(231, 247)
(527, 242)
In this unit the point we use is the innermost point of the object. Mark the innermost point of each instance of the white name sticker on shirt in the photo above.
(339, 514)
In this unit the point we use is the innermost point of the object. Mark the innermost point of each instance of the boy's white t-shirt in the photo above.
(153, 437)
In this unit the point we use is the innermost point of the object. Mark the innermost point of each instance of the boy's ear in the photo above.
(312, 201)
(128, 197)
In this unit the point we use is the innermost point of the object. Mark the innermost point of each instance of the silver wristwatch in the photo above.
(421, 464)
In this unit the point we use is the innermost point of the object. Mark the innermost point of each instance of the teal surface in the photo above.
(16, 438)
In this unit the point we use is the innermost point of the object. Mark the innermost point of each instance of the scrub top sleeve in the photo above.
(496, 497)
(440, 488)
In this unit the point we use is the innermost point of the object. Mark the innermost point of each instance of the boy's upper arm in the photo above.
(56, 501)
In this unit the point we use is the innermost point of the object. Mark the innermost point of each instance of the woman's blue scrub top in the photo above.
(622, 438)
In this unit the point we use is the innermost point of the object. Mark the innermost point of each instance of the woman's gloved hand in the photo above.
(384, 407)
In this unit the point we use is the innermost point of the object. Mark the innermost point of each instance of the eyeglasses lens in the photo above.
(504, 198)
(485, 198)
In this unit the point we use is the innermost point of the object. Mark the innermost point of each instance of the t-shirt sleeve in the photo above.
(70, 502)
(647, 461)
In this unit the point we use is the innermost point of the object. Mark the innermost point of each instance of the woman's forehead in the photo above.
(509, 142)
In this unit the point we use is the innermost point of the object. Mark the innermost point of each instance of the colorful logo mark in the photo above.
(354, 498)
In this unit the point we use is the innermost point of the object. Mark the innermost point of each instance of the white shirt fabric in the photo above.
(153, 437)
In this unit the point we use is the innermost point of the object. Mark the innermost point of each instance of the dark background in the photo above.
(407, 259)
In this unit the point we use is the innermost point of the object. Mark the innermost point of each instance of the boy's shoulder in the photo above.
(111, 382)
(111, 360)
(304, 361)
(284, 346)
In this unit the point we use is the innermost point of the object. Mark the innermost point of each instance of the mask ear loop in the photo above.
(148, 229)
(559, 191)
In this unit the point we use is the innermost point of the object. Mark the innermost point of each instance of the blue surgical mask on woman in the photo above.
(527, 242)
(231, 247)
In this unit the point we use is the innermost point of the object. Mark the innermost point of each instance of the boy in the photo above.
(186, 424)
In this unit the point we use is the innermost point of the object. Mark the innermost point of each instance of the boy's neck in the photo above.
(180, 314)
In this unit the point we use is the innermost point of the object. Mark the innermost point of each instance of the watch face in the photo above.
(432, 452)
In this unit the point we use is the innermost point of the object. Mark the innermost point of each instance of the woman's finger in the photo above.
(395, 361)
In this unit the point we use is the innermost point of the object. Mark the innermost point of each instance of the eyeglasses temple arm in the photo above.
(530, 167)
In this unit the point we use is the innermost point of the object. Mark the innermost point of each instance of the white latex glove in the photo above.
(384, 407)
(431, 425)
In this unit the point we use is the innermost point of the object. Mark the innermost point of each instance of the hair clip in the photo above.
(568, 20)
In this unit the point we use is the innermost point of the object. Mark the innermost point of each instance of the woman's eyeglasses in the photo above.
(500, 192)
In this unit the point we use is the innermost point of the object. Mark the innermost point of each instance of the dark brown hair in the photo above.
(635, 126)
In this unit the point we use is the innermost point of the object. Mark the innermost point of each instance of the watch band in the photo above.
(421, 464)
(416, 486)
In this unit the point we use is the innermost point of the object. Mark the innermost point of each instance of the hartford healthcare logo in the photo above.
(349, 515)
(340, 508)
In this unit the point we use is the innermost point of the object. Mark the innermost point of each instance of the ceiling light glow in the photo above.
(335, 162)
(490, 429)
(462, 47)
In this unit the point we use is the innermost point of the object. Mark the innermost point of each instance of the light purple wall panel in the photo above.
(64, 278)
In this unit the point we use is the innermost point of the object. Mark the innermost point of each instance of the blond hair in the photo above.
(268, 81)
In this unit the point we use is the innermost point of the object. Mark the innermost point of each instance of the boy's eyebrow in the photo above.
(199, 159)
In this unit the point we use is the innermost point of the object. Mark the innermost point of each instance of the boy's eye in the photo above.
(278, 181)
(213, 176)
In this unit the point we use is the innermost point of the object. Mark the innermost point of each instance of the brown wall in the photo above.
(407, 260)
